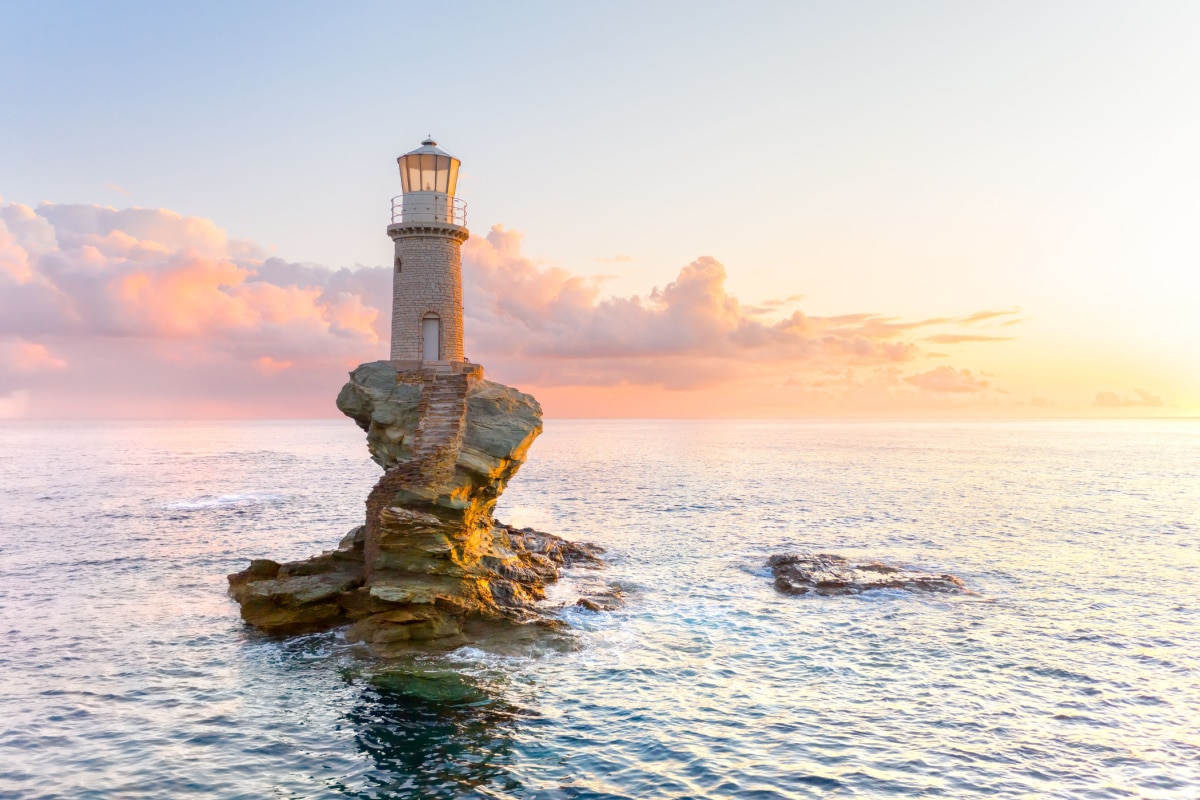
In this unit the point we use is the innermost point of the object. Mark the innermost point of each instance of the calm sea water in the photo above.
(1074, 672)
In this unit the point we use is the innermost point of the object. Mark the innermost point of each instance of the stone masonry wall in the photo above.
(429, 280)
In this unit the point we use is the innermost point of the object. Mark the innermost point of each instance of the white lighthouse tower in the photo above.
(429, 225)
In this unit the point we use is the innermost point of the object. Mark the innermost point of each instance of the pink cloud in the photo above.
(95, 296)
(140, 272)
(24, 356)
(1140, 399)
(983, 316)
(271, 365)
(960, 338)
(149, 304)
(549, 327)
(948, 380)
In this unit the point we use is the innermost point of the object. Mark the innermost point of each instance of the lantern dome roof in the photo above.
(429, 147)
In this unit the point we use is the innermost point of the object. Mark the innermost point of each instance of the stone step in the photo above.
(442, 409)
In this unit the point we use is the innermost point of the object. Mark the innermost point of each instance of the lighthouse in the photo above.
(429, 225)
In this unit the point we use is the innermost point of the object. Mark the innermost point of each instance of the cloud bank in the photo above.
(144, 312)
(548, 327)
(125, 312)
(1140, 399)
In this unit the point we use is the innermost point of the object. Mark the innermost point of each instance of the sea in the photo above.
(1070, 670)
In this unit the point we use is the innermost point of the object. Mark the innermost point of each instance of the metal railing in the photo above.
(415, 208)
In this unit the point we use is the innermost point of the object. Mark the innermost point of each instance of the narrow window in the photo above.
(397, 264)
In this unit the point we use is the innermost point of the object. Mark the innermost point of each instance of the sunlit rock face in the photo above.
(431, 563)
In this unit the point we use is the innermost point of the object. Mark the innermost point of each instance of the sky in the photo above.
(860, 209)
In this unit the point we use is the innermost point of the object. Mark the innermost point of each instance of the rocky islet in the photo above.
(430, 564)
(828, 574)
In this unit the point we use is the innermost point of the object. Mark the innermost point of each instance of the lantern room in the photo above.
(428, 169)
(429, 176)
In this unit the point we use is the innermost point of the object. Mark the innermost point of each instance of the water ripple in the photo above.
(1074, 672)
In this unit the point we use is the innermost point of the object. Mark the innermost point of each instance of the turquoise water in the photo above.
(1073, 672)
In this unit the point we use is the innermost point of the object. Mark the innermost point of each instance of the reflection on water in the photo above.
(433, 733)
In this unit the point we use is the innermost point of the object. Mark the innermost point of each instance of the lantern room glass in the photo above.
(427, 172)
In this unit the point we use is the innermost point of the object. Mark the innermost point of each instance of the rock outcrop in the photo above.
(828, 574)
(430, 563)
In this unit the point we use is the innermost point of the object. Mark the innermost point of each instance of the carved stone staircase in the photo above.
(443, 412)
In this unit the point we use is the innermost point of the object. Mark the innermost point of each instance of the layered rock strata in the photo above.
(430, 563)
(828, 574)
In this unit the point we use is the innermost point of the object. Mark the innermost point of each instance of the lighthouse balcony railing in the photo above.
(410, 208)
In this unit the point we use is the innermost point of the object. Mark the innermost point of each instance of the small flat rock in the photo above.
(602, 601)
(419, 595)
(828, 574)
(302, 589)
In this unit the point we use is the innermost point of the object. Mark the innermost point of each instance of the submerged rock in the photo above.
(828, 574)
(430, 564)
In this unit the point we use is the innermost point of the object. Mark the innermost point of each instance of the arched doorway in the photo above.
(431, 337)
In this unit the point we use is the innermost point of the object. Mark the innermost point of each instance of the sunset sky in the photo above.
(677, 209)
